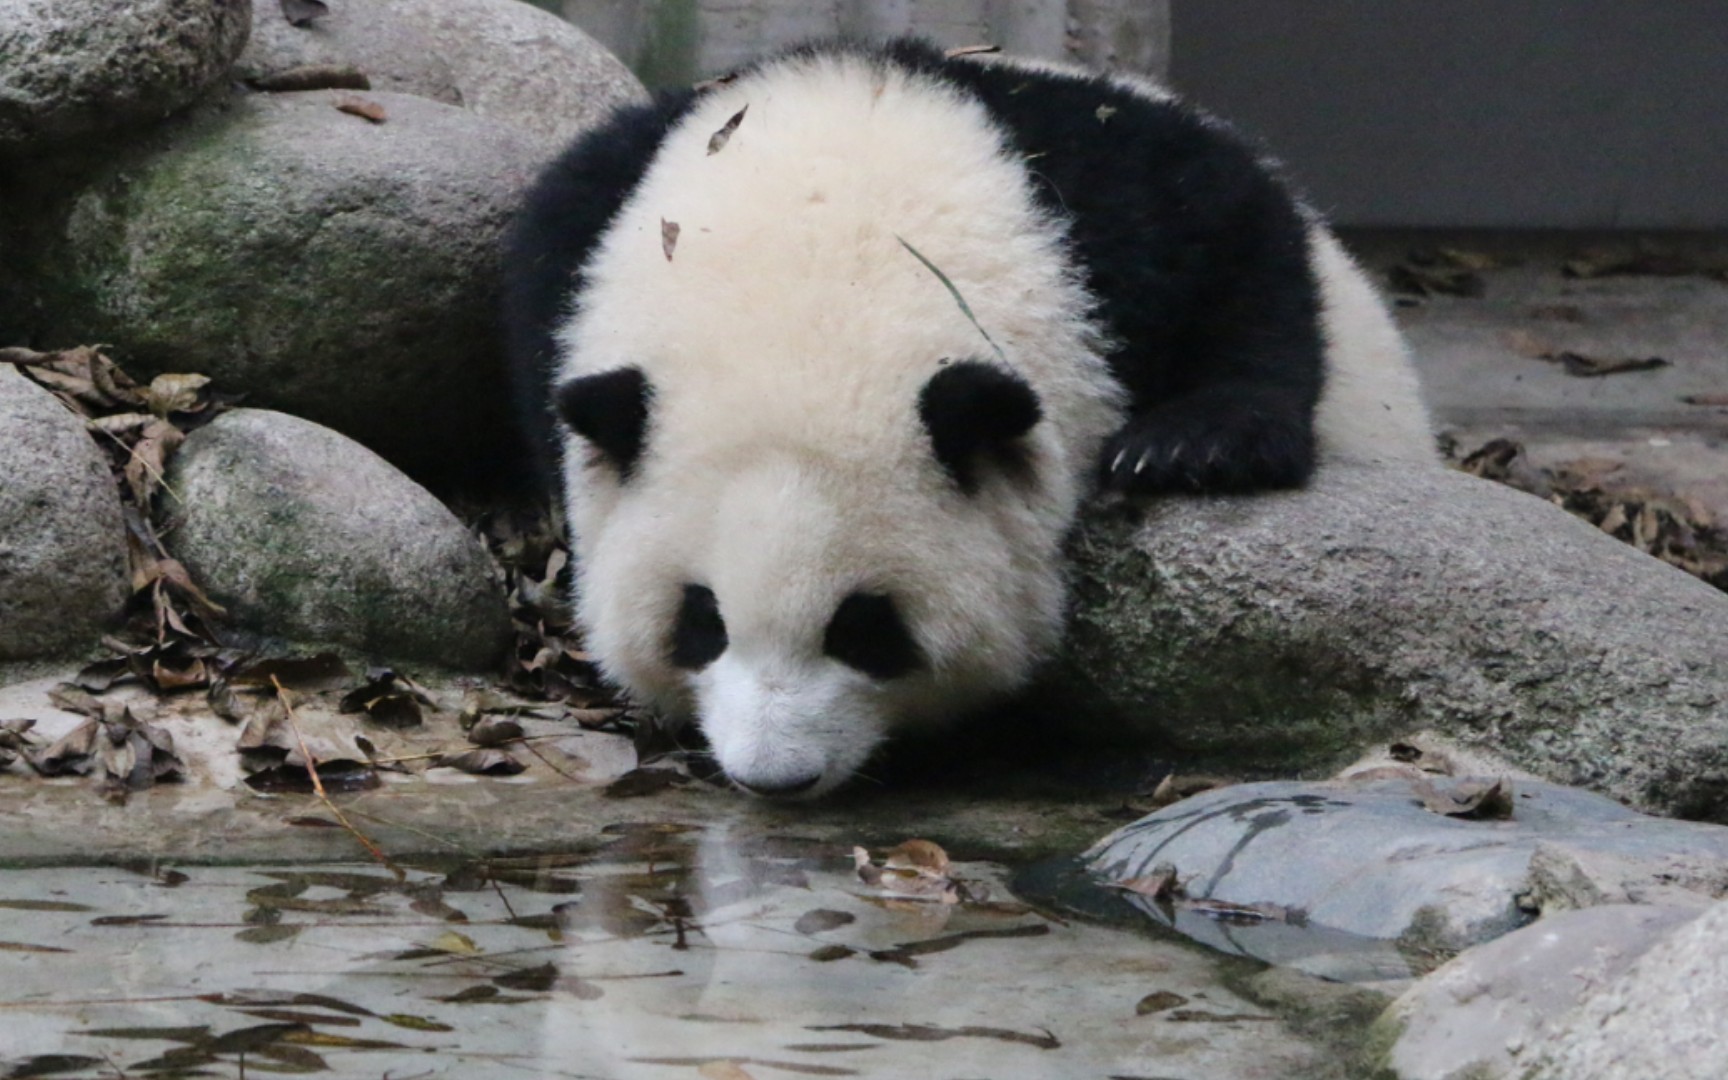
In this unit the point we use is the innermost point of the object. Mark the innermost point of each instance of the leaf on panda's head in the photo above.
(668, 237)
(302, 12)
(718, 140)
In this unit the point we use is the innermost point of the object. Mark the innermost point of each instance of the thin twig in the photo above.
(318, 785)
(965, 308)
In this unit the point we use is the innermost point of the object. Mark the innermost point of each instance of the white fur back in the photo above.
(1371, 409)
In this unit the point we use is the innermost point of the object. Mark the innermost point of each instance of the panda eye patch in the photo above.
(699, 635)
(868, 634)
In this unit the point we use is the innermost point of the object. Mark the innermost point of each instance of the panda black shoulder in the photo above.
(1198, 254)
(561, 217)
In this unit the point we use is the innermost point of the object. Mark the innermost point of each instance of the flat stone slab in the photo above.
(1367, 858)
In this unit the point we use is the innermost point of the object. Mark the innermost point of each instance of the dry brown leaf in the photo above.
(1717, 400)
(1160, 884)
(482, 761)
(1473, 798)
(918, 855)
(718, 140)
(363, 108)
(1174, 788)
(494, 731)
(174, 393)
(970, 50)
(1159, 1001)
(668, 237)
(312, 77)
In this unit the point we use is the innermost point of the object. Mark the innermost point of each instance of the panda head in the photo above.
(802, 595)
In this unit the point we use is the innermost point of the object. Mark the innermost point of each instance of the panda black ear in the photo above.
(977, 412)
(610, 410)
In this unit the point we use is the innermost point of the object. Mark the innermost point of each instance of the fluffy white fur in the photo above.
(786, 340)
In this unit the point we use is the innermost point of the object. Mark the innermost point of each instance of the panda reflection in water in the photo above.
(828, 354)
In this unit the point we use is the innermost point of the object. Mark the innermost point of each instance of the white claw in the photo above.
(1117, 463)
(1175, 452)
(1140, 465)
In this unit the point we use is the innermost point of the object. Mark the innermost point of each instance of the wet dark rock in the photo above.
(1474, 1015)
(303, 534)
(1334, 860)
(62, 543)
(73, 68)
(1289, 630)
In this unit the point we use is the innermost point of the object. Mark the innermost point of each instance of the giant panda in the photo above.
(827, 354)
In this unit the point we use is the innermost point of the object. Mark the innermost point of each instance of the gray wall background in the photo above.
(668, 42)
(1555, 113)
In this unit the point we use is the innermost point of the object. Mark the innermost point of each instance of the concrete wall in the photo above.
(1575, 114)
(668, 42)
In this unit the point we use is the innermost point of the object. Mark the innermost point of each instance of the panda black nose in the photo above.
(781, 790)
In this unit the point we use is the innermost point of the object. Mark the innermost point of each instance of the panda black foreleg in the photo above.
(1222, 437)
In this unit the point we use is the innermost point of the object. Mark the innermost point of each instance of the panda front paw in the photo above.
(1172, 448)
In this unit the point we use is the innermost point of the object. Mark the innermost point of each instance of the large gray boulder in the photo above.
(362, 35)
(1661, 1020)
(1289, 630)
(62, 541)
(519, 65)
(71, 68)
(303, 534)
(315, 261)
(505, 60)
(1470, 1017)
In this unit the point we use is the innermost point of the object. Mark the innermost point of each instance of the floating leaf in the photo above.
(822, 919)
(415, 1023)
(668, 237)
(828, 953)
(934, 1033)
(537, 979)
(1158, 1001)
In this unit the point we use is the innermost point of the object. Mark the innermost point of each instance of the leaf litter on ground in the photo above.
(173, 640)
(1680, 531)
